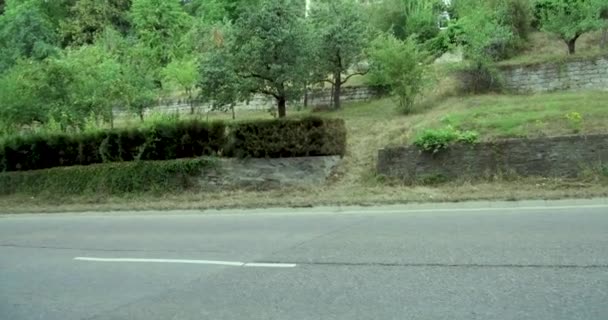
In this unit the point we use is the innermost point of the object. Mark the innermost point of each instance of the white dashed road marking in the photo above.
(181, 261)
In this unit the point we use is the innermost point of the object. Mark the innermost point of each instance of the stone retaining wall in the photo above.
(263, 174)
(316, 98)
(568, 75)
(566, 156)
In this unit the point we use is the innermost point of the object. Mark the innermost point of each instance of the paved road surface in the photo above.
(433, 262)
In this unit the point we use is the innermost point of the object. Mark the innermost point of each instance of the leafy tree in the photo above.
(404, 18)
(159, 24)
(399, 65)
(20, 96)
(219, 83)
(341, 32)
(218, 10)
(89, 18)
(269, 51)
(183, 74)
(26, 32)
(570, 19)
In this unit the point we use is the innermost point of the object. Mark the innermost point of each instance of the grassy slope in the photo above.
(376, 124)
(544, 47)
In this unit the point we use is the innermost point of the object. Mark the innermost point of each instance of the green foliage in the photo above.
(159, 25)
(270, 50)
(160, 141)
(482, 36)
(26, 31)
(183, 75)
(570, 19)
(436, 140)
(575, 121)
(407, 18)
(280, 138)
(341, 36)
(399, 65)
(89, 19)
(158, 177)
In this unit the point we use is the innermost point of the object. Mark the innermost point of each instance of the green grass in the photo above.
(547, 48)
(509, 116)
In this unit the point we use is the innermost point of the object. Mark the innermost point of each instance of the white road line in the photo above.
(270, 265)
(431, 210)
(182, 261)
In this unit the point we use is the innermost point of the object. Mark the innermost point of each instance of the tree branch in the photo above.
(354, 74)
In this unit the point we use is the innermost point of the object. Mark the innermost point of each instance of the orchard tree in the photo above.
(182, 74)
(89, 18)
(269, 51)
(341, 37)
(219, 83)
(570, 19)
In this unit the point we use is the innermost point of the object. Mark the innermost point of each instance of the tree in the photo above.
(570, 19)
(269, 49)
(20, 96)
(89, 18)
(341, 32)
(604, 15)
(26, 32)
(183, 74)
(159, 24)
(399, 65)
(219, 83)
(404, 18)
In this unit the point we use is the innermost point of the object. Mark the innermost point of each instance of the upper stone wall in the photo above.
(590, 74)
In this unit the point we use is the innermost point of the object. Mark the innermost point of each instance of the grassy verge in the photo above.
(374, 125)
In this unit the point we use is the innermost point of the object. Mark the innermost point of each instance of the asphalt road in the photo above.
(469, 261)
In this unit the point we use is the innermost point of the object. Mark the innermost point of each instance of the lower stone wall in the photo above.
(566, 156)
(264, 174)
(323, 97)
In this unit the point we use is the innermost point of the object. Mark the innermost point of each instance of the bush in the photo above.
(436, 140)
(478, 78)
(312, 136)
(161, 141)
(106, 179)
(400, 65)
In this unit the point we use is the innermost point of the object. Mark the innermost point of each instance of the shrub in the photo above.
(477, 78)
(162, 141)
(432, 140)
(312, 136)
(400, 65)
(106, 179)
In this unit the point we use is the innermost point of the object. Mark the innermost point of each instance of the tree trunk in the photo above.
(572, 45)
(282, 106)
(305, 96)
(604, 41)
(337, 90)
(141, 116)
(233, 113)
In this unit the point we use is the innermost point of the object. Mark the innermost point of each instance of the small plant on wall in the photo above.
(436, 140)
(575, 121)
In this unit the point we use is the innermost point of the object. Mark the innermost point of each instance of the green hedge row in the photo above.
(186, 139)
(311, 136)
(106, 179)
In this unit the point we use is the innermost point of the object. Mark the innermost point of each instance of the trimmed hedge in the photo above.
(312, 136)
(283, 138)
(107, 179)
(186, 139)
